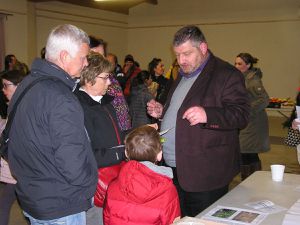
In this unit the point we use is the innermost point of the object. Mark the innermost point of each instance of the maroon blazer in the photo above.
(207, 155)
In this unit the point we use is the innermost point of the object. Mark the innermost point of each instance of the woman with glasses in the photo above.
(100, 120)
(10, 81)
(119, 103)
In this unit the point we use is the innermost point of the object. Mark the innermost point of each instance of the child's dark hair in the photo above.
(140, 78)
(143, 144)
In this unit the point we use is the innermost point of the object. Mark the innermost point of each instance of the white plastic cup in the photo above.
(277, 172)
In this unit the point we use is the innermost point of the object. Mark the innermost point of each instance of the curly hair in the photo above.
(96, 64)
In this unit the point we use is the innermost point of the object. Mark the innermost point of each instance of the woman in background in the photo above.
(292, 120)
(140, 95)
(254, 138)
(156, 69)
(10, 81)
(130, 70)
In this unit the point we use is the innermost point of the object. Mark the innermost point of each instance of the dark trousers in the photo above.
(249, 164)
(193, 203)
(248, 158)
(7, 198)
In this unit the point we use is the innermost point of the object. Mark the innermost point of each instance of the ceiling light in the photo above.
(106, 0)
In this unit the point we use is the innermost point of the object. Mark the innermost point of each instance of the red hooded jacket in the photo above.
(141, 196)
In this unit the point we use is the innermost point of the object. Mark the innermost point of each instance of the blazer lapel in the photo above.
(202, 81)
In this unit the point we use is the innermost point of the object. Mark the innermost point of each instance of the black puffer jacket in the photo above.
(103, 129)
(49, 151)
(138, 105)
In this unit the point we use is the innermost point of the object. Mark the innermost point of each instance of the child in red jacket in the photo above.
(143, 193)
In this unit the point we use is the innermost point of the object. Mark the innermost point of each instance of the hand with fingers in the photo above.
(154, 109)
(195, 115)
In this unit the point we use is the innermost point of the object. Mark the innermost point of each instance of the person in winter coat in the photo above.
(130, 70)
(254, 138)
(143, 193)
(101, 124)
(140, 95)
(292, 121)
(49, 151)
(208, 105)
(10, 81)
(119, 103)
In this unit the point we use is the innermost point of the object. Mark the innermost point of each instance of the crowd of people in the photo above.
(89, 152)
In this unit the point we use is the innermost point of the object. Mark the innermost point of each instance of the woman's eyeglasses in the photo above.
(105, 78)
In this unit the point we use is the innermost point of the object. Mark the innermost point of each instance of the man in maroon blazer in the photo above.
(207, 105)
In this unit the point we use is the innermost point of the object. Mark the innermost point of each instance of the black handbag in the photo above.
(4, 139)
(293, 137)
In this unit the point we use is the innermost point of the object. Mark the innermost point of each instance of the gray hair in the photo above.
(65, 37)
(189, 33)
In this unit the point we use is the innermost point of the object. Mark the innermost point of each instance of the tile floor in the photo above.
(279, 154)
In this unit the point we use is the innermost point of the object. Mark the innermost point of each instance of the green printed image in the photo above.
(224, 213)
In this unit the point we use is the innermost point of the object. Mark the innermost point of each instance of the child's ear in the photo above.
(159, 156)
(126, 154)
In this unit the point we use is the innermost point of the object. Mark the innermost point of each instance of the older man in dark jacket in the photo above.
(49, 151)
(208, 104)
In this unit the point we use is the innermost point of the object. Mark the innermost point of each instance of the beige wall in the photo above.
(15, 28)
(112, 27)
(32, 22)
(268, 29)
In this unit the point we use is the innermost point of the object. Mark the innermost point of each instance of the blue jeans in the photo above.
(75, 219)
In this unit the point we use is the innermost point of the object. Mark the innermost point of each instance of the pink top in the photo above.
(5, 174)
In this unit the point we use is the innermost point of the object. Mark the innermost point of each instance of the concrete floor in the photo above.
(279, 154)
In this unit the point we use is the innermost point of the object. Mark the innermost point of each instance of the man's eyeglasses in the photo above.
(5, 85)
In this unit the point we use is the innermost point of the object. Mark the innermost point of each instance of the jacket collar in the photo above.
(41, 67)
(90, 101)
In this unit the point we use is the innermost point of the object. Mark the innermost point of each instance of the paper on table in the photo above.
(295, 209)
(232, 215)
(293, 215)
(265, 206)
(290, 219)
(195, 221)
